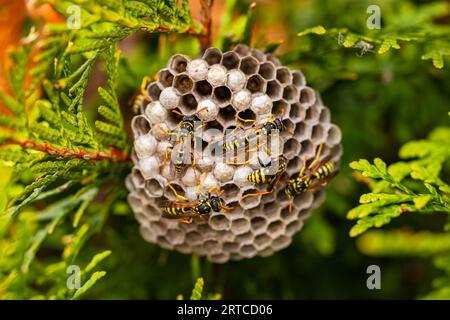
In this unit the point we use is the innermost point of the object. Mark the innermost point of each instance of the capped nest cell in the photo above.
(215, 88)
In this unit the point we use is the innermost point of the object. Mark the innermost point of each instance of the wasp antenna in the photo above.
(202, 109)
(200, 184)
(177, 112)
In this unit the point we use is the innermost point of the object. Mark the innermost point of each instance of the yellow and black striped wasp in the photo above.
(318, 173)
(140, 96)
(268, 173)
(181, 138)
(185, 211)
(271, 126)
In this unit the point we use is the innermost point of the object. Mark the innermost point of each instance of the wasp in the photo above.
(181, 137)
(272, 126)
(268, 173)
(319, 172)
(140, 96)
(185, 211)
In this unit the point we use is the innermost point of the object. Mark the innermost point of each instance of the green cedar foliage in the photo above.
(62, 171)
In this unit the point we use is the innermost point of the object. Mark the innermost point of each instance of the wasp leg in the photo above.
(187, 221)
(203, 218)
(316, 157)
(245, 120)
(259, 193)
(199, 186)
(179, 196)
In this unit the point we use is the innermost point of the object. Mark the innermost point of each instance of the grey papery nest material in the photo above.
(244, 81)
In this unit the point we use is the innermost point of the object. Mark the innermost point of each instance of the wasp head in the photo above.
(216, 203)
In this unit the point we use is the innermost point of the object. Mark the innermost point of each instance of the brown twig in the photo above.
(205, 20)
(114, 154)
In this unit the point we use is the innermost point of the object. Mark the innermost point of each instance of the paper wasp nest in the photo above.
(254, 85)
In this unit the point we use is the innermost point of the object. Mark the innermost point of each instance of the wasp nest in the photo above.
(253, 85)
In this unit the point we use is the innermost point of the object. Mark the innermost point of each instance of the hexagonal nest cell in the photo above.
(215, 88)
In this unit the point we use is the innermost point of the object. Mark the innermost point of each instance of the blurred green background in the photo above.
(380, 101)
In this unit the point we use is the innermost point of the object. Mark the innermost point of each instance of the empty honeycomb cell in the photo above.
(255, 86)
(162, 241)
(137, 178)
(222, 94)
(219, 257)
(261, 103)
(152, 213)
(297, 112)
(240, 226)
(245, 238)
(140, 126)
(307, 149)
(312, 114)
(303, 200)
(217, 75)
(236, 80)
(175, 236)
(290, 93)
(219, 222)
(281, 242)
(169, 98)
(159, 227)
(293, 227)
(271, 210)
(267, 70)
(248, 250)
(212, 246)
(197, 69)
(289, 126)
(317, 134)
(209, 110)
(165, 77)
(298, 79)
(178, 63)
(274, 89)
(188, 104)
(262, 241)
(241, 99)
(203, 89)
(307, 97)
(230, 247)
(275, 228)
(294, 166)
(333, 135)
(250, 202)
(324, 115)
(231, 192)
(227, 115)
(212, 56)
(154, 187)
(302, 131)
(258, 54)
(280, 108)
(258, 223)
(230, 60)
(154, 91)
(194, 238)
(183, 83)
(183, 248)
(283, 75)
(249, 65)
(242, 50)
